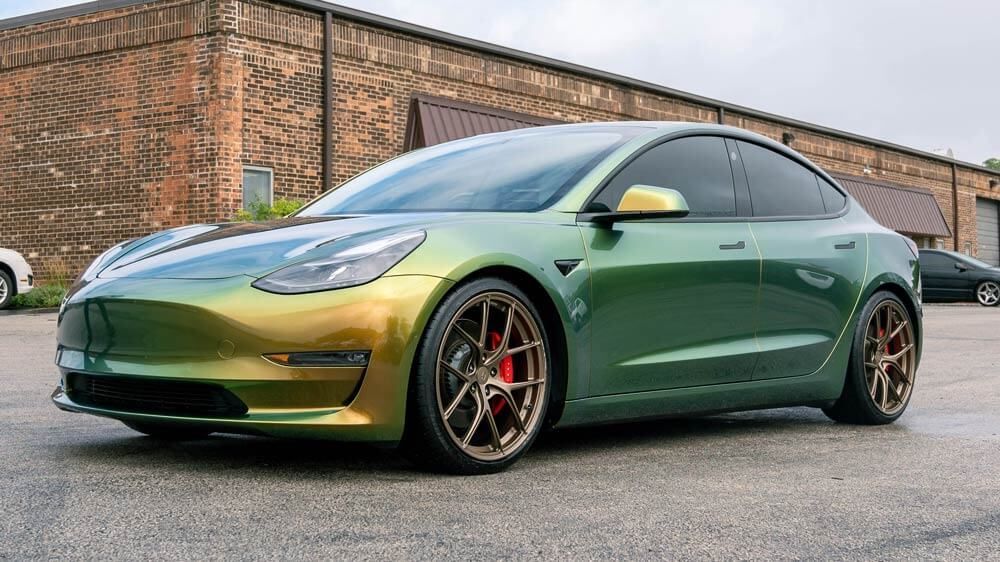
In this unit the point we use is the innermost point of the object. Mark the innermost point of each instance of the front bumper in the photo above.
(216, 331)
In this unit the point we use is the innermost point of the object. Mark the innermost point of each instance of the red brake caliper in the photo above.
(506, 371)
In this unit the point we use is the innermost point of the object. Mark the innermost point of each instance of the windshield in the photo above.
(523, 170)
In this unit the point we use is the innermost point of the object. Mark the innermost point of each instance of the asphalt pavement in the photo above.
(775, 484)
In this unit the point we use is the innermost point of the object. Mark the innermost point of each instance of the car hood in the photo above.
(214, 251)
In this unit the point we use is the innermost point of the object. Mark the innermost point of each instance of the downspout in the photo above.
(327, 101)
(722, 115)
(954, 202)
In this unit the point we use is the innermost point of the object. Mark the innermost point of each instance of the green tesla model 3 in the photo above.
(459, 299)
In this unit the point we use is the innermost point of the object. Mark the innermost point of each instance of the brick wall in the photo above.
(123, 122)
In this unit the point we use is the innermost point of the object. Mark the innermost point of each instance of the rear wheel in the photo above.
(988, 293)
(882, 367)
(168, 432)
(480, 381)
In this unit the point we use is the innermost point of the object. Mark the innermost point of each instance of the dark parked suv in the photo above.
(951, 276)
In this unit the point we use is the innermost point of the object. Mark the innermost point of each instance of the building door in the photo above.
(988, 230)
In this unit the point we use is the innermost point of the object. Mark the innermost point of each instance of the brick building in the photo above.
(122, 117)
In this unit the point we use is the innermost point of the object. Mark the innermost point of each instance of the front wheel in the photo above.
(882, 366)
(480, 382)
(988, 293)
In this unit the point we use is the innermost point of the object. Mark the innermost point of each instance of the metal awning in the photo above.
(911, 210)
(435, 120)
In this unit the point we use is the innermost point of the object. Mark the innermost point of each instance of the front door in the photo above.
(674, 305)
(674, 300)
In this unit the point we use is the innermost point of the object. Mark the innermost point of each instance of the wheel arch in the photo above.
(13, 278)
(552, 319)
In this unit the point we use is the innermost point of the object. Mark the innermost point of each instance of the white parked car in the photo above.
(15, 276)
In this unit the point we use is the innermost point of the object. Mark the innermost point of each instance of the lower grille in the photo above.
(146, 396)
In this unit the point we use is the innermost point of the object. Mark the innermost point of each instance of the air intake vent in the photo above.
(154, 396)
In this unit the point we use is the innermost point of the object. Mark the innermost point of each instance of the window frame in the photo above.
(270, 183)
(744, 213)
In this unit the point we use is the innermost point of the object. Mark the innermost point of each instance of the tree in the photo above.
(993, 163)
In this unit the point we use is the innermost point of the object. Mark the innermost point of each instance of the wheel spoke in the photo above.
(515, 350)
(509, 399)
(892, 387)
(898, 354)
(458, 398)
(467, 337)
(884, 403)
(874, 384)
(897, 330)
(878, 325)
(464, 376)
(478, 419)
(484, 325)
(494, 432)
(512, 386)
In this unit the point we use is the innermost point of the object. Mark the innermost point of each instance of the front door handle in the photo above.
(737, 246)
(847, 246)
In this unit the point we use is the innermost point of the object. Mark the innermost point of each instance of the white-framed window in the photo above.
(258, 186)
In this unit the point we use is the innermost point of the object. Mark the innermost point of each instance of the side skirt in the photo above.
(816, 389)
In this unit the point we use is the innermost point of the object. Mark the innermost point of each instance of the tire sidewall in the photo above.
(424, 425)
(11, 290)
(856, 368)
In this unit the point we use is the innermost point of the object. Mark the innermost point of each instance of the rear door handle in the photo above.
(737, 246)
(847, 246)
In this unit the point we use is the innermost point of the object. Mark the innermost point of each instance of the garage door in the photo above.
(988, 230)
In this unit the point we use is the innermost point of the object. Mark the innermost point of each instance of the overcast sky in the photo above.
(922, 74)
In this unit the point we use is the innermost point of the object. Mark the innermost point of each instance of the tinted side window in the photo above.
(698, 167)
(779, 186)
(833, 200)
(934, 261)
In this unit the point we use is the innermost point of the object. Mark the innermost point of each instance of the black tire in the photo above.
(8, 299)
(168, 432)
(856, 405)
(979, 298)
(426, 441)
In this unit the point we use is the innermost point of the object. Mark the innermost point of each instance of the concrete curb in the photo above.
(20, 311)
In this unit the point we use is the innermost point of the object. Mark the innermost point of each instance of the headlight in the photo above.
(354, 266)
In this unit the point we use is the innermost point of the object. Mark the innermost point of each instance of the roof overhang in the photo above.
(434, 120)
(910, 210)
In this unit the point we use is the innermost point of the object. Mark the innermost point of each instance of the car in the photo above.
(950, 277)
(16, 277)
(460, 299)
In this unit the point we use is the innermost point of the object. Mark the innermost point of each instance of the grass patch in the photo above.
(43, 296)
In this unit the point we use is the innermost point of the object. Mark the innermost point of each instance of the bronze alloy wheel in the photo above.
(890, 357)
(988, 293)
(491, 376)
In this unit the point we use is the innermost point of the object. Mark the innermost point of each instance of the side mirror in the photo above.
(646, 202)
(960, 266)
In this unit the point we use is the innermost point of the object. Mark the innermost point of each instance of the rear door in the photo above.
(813, 262)
(674, 300)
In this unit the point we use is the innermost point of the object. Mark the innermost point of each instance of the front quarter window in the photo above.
(515, 171)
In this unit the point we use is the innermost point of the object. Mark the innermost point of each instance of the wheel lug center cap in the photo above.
(482, 375)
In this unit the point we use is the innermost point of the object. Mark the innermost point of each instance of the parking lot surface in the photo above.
(776, 484)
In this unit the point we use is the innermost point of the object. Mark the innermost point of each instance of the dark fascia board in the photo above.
(531, 58)
(67, 12)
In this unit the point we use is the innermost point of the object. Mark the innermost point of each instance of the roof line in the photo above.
(523, 56)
